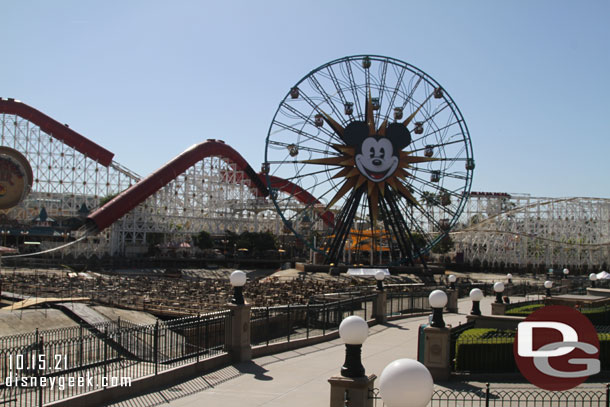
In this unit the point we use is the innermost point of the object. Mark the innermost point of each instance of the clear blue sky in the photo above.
(147, 79)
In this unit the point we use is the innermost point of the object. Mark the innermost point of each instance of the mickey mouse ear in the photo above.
(355, 133)
(399, 135)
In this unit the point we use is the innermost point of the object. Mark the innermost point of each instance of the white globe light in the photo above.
(476, 294)
(548, 284)
(238, 278)
(499, 287)
(353, 330)
(437, 299)
(509, 276)
(406, 382)
(592, 276)
(452, 278)
(380, 275)
(566, 271)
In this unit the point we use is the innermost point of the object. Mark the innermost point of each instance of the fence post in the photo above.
(324, 316)
(452, 303)
(608, 395)
(437, 352)
(307, 320)
(82, 344)
(380, 307)
(288, 321)
(240, 346)
(267, 328)
(106, 351)
(198, 335)
(352, 391)
(156, 347)
(486, 394)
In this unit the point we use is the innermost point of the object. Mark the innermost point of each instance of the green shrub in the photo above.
(524, 310)
(485, 350)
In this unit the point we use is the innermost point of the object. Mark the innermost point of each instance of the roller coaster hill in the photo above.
(81, 195)
(96, 209)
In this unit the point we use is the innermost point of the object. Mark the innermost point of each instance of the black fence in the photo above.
(48, 366)
(454, 335)
(404, 303)
(514, 397)
(285, 323)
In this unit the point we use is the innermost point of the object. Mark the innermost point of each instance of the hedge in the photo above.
(486, 350)
(597, 315)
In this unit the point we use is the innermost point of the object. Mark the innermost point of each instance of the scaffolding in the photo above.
(521, 230)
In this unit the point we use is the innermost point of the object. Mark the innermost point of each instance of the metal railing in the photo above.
(286, 323)
(404, 303)
(514, 397)
(48, 366)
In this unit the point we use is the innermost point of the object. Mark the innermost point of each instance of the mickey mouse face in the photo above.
(377, 157)
(377, 161)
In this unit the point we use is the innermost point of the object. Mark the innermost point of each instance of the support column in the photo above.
(452, 300)
(498, 309)
(355, 392)
(436, 351)
(238, 340)
(380, 306)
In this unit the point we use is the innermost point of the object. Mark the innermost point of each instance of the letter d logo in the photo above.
(556, 348)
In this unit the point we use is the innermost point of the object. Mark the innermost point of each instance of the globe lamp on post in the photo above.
(593, 279)
(509, 277)
(452, 279)
(548, 285)
(353, 330)
(406, 382)
(379, 276)
(438, 300)
(565, 273)
(499, 289)
(476, 295)
(238, 280)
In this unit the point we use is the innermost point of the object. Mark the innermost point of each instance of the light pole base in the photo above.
(355, 389)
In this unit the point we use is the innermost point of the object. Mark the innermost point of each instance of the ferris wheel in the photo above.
(374, 160)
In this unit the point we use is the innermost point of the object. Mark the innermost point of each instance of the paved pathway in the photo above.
(298, 378)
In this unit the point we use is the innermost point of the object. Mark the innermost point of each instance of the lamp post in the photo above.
(238, 280)
(476, 295)
(353, 330)
(565, 273)
(379, 276)
(498, 289)
(509, 277)
(438, 300)
(548, 285)
(406, 382)
(452, 279)
(593, 279)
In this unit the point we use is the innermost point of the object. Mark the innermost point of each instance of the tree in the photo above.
(444, 246)
(203, 240)
(257, 241)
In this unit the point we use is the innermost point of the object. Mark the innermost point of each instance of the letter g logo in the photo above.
(556, 348)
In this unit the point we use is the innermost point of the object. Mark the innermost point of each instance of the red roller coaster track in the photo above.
(133, 196)
(59, 131)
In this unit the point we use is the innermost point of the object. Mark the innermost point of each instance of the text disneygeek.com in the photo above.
(62, 383)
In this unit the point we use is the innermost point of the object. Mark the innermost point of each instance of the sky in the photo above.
(148, 79)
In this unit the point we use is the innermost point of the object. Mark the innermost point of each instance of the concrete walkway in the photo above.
(298, 378)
